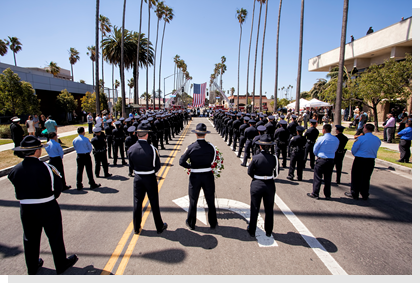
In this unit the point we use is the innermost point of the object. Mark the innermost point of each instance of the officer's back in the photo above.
(250, 133)
(201, 154)
(312, 134)
(297, 142)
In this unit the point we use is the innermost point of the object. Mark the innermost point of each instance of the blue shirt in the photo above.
(406, 134)
(366, 146)
(54, 149)
(82, 144)
(326, 146)
(50, 125)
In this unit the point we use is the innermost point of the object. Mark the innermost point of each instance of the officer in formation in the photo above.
(250, 133)
(236, 134)
(56, 153)
(340, 153)
(202, 155)
(16, 133)
(108, 132)
(99, 152)
(145, 162)
(255, 146)
(118, 137)
(230, 129)
(281, 137)
(129, 141)
(311, 135)
(37, 186)
(325, 149)
(297, 151)
(263, 169)
(242, 139)
(160, 130)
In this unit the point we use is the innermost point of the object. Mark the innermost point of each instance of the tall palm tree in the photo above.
(277, 59)
(130, 84)
(222, 68)
(74, 57)
(160, 11)
(53, 69)
(136, 66)
(98, 103)
(176, 60)
(241, 16)
(256, 53)
(15, 45)
(92, 55)
(300, 57)
(262, 53)
(3, 47)
(168, 16)
(150, 3)
(123, 114)
(339, 98)
(105, 26)
(116, 85)
(249, 56)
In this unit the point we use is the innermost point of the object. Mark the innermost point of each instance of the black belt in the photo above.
(325, 158)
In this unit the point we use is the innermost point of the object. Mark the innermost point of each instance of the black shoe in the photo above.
(350, 195)
(402, 161)
(66, 187)
(136, 232)
(214, 226)
(244, 165)
(188, 225)
(97, 176)
(71, 260)
(290, 178)
(252, 234)
(299, 179)
(328, 198)
(365, 198)
(80, 187)
(130, 174)
(165, 226)
(95, 186)
(268, 234)
(338, 182)
(40, 264)
(108, 175)
(311, 195)
(124, 163)
(163, 148)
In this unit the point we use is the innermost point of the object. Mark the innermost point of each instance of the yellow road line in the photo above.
(121, 244)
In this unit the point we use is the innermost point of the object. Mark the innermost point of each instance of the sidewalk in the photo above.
(62, 135)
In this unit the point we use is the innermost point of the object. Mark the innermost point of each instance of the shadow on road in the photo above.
(6, 251)
(295, 239)
(88, 270)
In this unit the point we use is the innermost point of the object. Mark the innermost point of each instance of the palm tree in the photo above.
(168, 16)
(15, 46)
(222, 68)
(53, 69)
(241, 16)
(74, 57)
(300, 57)
(92, 55)
(339, 98)
(130, 84)
(176, 60)
(262, 53)
(3, 47)
(160, 11)
(136, 66)
(123, 114)
(146, 96)
(277, 59)
(249, 56)
(116, 85)
(105, 26)
(150, 4)
(256, 53)
(318, 88)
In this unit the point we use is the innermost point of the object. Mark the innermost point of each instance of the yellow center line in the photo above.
(121, 244)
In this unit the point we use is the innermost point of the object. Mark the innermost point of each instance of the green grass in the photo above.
(5, 141)
(386, 154)
(68, 141)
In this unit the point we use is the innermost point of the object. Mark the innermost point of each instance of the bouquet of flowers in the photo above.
(216, 167)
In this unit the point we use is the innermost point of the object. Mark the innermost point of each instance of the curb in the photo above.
(390, 166)
(7, 170)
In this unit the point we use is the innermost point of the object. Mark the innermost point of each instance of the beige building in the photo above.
(242, 101)
(391, 42)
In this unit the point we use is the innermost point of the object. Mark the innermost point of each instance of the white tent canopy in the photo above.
(316, 103)
(302, 103)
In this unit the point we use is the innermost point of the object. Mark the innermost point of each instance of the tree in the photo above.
(74, 57)
(92, 55)
(105, 27)
(16, 97)
(15, 46)
(249, 55)
(66, 102)
(222, 68)
(241, 16)
(160, 11)
(89, 102)
(283, 102)
(3, 47)
(118, 105)
(136, 65)
(146, 96)
(300, 57)
(318, 88)
(176, 60)
(53, 69)
(150, 3)
(123, 114)
(277, 58)
(262, 53)
(82, 81)
(305, 94)
(256, 53)
(130, 84)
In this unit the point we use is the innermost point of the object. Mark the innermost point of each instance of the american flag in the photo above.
(199, 95)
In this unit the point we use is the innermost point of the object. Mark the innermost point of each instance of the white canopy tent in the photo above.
(316, 103)
(302, 103)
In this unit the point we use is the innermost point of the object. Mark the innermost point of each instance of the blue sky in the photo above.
(201, 32)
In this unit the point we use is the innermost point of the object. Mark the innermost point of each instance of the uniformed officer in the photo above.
(202, 155)
(249, 135)
(235, 125)
(242, 139)
(340, 153)
(297, 151)
(145, 162)
(281, 136)
(55, 152)
(16, 133)
(255, 147)
(324, 149)
(261, 120)
(160, 129)
(311, 135)
(37, 186)
(166, 128)
(83, 148)
(292, 126)
(118, 142)
(230, 129)
(108, 132)
(263, 169)
(129, 141)
(99, 152)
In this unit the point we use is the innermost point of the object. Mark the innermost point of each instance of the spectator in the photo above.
(403, 122)
(370, 30)
(325, 119)
(42, 121)
(55, 152)
(389, 128)
(36, 124)
(30, 126)
(90, 122)
(405, 143)
(51, 126)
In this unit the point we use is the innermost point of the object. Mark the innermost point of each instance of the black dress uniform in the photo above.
(262, 169)
(202, 155)
(16, 133)
(145, 162)
(99, 152)
(281, 137)
(37, 186)
(108, 132)
(311, 135)
(166, 129)
(118, 142)
(235, 125)
(340, 153)
(255, 146)
(297, 151)
(160, 129)
(129, 141)
(249, 135)
(230, 129)
(242, 139)
(292, 126)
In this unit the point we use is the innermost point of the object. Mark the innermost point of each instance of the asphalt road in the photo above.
(341, 236)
